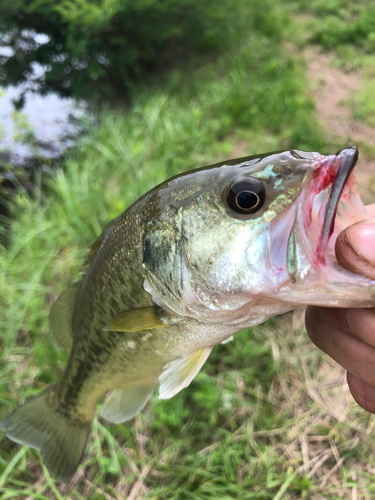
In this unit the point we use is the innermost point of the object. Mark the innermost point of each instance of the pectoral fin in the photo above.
(178, 373)
(135, 320)
(61, 315)
(228, 339)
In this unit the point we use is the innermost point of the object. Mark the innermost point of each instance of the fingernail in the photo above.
(361, 238)
(348, 318)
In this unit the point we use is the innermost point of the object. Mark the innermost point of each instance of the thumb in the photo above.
(355, 248)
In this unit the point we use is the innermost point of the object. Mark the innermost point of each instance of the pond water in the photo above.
(45, 126)
(35, 130)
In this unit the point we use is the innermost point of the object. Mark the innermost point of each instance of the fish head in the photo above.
(243, 240)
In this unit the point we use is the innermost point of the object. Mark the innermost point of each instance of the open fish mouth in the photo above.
(331, 202)
(347, 160)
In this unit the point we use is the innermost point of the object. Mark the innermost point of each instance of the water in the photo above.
(45, 127)
(38, 134)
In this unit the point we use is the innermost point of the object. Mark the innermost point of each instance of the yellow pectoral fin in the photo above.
(178, 373)
(135, 320)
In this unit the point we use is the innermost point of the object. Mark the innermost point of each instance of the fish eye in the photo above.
(246, 196)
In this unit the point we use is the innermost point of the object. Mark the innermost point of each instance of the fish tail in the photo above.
(59, 436)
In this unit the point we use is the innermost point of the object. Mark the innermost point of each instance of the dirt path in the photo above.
(334, 92)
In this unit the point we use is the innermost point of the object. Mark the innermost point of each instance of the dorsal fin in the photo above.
(94, 247)
(92, 252)
(60, 317)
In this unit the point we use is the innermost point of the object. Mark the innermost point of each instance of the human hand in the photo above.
(348, 335)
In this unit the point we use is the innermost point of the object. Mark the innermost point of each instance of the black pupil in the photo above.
(246, 196)
(247, 200)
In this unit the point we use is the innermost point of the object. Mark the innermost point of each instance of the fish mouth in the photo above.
(346, 160)
(331, 182)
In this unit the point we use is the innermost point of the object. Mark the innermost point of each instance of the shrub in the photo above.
(107, 44)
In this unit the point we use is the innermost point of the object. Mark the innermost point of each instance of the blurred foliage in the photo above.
(364, 103)
(341, 22)
(105, 45)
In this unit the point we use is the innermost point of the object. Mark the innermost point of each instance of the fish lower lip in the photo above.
(348, 158)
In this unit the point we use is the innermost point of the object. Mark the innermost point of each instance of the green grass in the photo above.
(346, 31)
(346, 28)
(263, 418)
(364, 103)
(337, 23)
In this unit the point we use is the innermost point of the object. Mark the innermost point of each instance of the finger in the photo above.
(361, 322)
(332, 330)
(363, 393)
(371, 209)
(355, 248)
(348, 350)
(333, 316)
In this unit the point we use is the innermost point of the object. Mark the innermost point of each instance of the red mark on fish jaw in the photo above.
(322, 177)
(340, 189)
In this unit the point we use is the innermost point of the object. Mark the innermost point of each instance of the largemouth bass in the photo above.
(196, 259)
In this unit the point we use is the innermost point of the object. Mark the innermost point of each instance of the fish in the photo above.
(190, 263)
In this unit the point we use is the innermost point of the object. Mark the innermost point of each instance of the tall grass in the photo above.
(257, 419)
